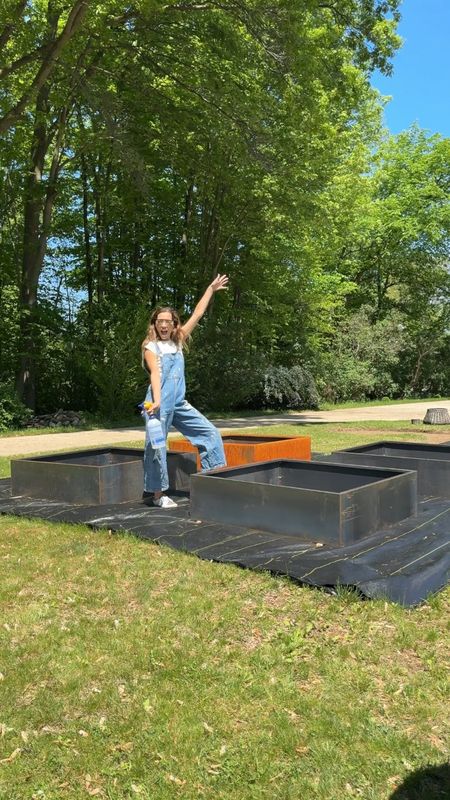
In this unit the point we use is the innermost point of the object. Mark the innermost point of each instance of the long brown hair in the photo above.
(176, 336)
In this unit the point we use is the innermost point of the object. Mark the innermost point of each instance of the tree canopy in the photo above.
(146, 147)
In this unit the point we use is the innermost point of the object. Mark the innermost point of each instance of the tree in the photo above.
(361, 357)
(168, 141)
(40, 57)
(404, 246)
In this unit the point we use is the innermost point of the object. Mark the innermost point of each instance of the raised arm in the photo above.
(220, 282)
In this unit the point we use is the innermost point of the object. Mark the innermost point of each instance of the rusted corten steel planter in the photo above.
(310, 501)
(247, 448)
(431, 461)
(94, 477)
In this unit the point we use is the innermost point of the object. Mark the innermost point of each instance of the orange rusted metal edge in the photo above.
(248, 452)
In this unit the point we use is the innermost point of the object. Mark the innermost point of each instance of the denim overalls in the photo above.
(176, 411)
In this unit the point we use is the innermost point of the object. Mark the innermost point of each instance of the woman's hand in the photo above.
(219, 282)
(151, 407)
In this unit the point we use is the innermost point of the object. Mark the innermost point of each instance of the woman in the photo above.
(162, 351)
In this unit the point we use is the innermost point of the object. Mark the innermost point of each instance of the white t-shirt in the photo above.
(161, 348)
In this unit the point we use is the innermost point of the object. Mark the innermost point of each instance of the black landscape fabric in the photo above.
(403, 563)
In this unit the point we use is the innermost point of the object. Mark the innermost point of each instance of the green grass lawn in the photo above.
(128, 670)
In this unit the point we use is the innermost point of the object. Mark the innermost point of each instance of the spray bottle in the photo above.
(153, 425)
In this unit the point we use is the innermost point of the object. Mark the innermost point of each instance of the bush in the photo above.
(222, 376)
(226, 373)
(13, 413)
(289, 387)
(106, 365)
(361, 358)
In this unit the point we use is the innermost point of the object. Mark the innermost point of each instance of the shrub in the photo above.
(223, 377)
(13, 413)
(289, 387)
(361, 357)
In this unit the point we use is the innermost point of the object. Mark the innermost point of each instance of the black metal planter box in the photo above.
(316, 502)
(431, 461)
(94, 477)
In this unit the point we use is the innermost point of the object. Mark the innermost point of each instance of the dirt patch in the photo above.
(437, 438)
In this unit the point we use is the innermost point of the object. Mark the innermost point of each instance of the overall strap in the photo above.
(165, 374)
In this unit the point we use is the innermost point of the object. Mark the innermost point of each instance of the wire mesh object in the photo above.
(436, 416)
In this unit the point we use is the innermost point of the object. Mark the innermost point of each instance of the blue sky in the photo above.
(420, 85)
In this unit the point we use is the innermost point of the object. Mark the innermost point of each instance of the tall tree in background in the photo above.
(170, 140)
(398, 261)
(403, 253)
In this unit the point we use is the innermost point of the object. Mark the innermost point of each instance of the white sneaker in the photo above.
(164, 502)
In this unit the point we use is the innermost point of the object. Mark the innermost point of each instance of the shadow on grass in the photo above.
(428, 783)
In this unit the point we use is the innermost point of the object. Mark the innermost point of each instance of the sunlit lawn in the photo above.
(130, 670)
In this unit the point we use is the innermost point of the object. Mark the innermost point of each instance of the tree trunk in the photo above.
(99, 234)
(25, 382)
(38, 208)
(184, 246)
(86, 236)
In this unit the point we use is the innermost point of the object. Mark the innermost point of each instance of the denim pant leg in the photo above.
(156, 478)
(201, 433)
